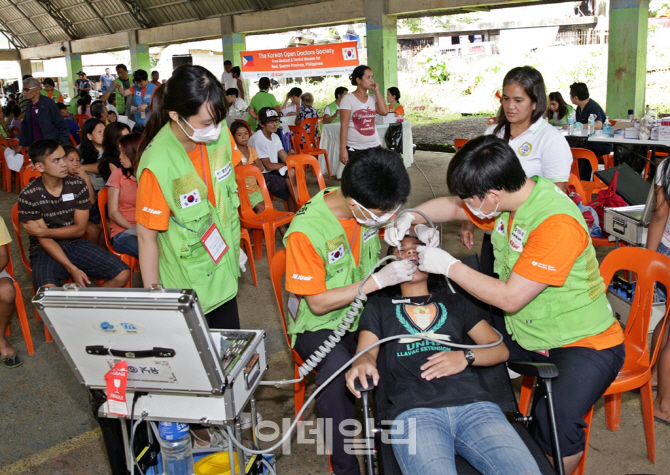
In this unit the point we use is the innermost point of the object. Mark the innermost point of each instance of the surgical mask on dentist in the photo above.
(478, 212)
(209, 134)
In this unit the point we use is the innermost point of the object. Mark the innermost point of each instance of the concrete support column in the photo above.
(627, 57)
(382, 44)
(26, 67)
(73, 66)
(233, 44)
(139, 54)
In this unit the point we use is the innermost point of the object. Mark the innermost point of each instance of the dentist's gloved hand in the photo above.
(434, 260)
(429, 236)
(243, 260)
(395, 273)
(396, 231)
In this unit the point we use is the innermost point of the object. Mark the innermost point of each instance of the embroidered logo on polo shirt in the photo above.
(525, 149)
(189, 199)
(336, 255)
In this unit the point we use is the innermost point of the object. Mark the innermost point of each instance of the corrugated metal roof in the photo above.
(37, 22)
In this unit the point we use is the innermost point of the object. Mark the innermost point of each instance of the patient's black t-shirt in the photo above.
(399, 361)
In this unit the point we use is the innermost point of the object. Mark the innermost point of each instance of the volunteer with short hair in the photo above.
(550, 288)
(141, 93)
(331, 245)
(541, 149)
(188, 226)
(331, 114)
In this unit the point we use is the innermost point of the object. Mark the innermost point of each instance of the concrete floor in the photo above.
(47, 427)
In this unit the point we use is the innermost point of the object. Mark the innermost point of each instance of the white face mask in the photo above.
(209, 134)
(478, 212)
(373, 220)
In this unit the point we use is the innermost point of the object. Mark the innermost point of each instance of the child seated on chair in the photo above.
(8, 354)
(54, 212)
(249, 157)
(439, 404)
(73, 161)
(122, 195)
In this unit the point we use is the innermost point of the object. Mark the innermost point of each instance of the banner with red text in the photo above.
(334, 59)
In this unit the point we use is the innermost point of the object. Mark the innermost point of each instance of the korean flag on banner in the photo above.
(336, 255)
(349, 53)
(189, 199)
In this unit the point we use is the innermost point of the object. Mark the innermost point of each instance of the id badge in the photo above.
(214, 243)
(292, 305)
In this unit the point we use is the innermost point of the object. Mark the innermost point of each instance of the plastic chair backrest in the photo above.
(300, 137)
(458, 143)
(15, 132)
(9, 267)
(73, 140)
(277, 271)
(103, 196)
(29, 174)
(241, 172)
(300, 163)
(295, 139)
(313, 123)
(575, 185)
(584, 154)
(491, 120)
(80, 119)
(649, 267)
(19, 240)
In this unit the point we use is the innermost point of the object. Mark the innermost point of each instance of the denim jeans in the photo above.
(478, 432)
(126, 243)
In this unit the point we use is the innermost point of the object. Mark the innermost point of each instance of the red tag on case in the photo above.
(116, 379)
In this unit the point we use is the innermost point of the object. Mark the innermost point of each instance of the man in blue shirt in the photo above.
(71, 124)
(106, 79)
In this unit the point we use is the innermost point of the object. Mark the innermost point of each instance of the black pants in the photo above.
(225, 316)
(584, 374)
(335, 402)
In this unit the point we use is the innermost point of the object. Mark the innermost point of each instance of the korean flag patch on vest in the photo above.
(336, 255)
(189, 199)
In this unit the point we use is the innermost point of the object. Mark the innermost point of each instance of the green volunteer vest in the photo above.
(55, 96)
(183, 260)
(333, 108)
(120, 100)
(317, 222)
(558, 315)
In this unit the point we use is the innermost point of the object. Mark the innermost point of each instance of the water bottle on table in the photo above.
(571, 122)
(592, 124)
(607, 127)
(175, 445)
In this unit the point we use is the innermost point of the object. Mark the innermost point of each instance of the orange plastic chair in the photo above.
(129, 260)
(491, 120)
(245, 240)
(300, 163)
(28, 175)
(72, 139)
(313, 122)
(246, 124)
(15, 132)
(458, 143)
(265, 223)
(575, 185)
(20, 307)
(80, 119)
(590, 187)
(277, 271)
(301, 144)
(26, 262)
(6, 172)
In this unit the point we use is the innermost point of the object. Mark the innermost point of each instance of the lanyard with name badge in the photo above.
(211, 239)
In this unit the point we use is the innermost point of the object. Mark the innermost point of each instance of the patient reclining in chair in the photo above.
(439, 406)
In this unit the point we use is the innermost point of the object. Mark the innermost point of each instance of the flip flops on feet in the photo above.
(11, 361)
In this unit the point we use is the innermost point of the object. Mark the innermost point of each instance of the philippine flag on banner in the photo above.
(349, 53)
(248, 60)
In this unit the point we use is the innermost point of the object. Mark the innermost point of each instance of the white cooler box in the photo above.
(625, 223)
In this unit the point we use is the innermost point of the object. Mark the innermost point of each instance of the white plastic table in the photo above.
(330, 141)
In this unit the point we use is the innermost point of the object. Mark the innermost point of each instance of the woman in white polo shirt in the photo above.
(542, 150)
(358, 111)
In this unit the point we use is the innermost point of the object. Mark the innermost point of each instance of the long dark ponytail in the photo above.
(185, 92)
(532, 82)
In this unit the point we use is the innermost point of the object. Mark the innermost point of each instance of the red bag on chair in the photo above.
(607, 199)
